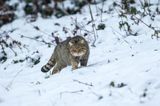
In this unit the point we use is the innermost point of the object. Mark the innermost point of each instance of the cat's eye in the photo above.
(70, 43)
(82, 41)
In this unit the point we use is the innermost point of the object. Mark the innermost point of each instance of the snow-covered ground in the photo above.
(122, 71)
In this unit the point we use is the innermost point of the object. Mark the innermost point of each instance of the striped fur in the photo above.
(69, 52)
(48, 66)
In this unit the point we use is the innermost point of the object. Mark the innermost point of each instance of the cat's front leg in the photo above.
(74, 63)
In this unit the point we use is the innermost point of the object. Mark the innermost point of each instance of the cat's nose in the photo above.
(76, 41)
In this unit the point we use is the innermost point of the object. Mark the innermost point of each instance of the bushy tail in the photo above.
(48, 66)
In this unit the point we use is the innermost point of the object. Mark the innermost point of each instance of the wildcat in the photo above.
(72, 51)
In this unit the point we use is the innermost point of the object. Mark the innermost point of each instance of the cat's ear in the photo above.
(82, 41)
(70, 43)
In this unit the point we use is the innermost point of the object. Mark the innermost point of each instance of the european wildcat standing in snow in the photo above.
(69, 52)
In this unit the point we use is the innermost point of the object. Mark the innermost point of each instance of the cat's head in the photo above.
(78, 46)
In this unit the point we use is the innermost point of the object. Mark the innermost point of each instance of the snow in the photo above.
(133, 61)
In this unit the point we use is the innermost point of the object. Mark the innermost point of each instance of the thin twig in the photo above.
(15, 53)
(4, 87)
(93, 26)
(36, 40)
(11, 82)
(83, 83)
(6, 32)
(16, 44)
(37, 28)
(97, 95)
(81, 27)
(149, 26)
(102, 10)
(114, 31)
(78, 91)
